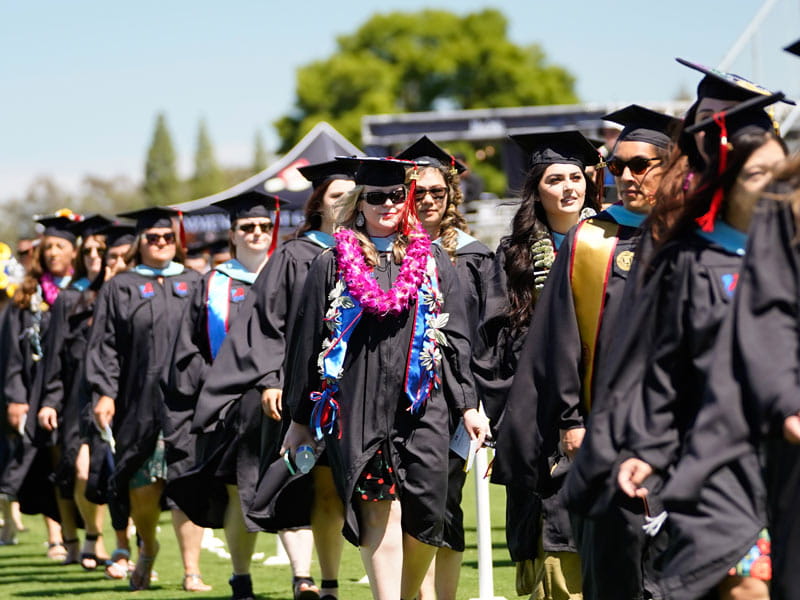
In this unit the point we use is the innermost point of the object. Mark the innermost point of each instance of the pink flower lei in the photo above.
(361, 283)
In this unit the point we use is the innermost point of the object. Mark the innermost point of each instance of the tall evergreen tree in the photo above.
(207, 178)
(259, 154)
(161, 183)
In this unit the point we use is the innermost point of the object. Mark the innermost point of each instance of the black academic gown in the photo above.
(60, 383)
(753, 388)
(132, 337)
(26, 475)
(686, 300)
(250, 360)
(374, 411)
(473, 265)
(191, 483)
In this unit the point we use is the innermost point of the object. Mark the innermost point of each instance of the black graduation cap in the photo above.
(320, 173)
(640, 124)
(557, 147)
(155, 216)
(197, 249)
(793, 48)
(252, 203)
(58, 226)
(218, 246)
(427, 150)
(118, 234)
(748, 114)
(93, 225)
(724, 85)
(380, 172)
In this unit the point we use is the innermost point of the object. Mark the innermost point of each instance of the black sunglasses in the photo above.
(437, 193)
(251, 227)
(152, 238)
(637, 165)
(377, 198)
(88, 251)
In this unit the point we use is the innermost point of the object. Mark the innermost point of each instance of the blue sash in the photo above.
(732, 240)
(81, 285)
(320, 238)
(624, 216)
(170, 270)
(235, 270)
(217, 310)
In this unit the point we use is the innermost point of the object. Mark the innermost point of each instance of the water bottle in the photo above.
(304, 458)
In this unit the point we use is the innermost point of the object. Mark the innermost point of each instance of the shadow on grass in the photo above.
(496, 563)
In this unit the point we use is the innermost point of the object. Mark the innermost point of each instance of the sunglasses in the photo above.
(153, 238)
(437, 193)
(637, 165)
(88, 251)
(397, 196)
(251, 227)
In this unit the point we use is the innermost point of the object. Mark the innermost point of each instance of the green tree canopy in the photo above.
(259, 154)
(406, 62)
(161, 183)
(208, 178)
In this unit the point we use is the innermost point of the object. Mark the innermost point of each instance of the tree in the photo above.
(259, 154)
(161, 183)
(207, 178)
(402, 62)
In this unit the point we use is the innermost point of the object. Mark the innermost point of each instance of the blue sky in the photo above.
(82, 81)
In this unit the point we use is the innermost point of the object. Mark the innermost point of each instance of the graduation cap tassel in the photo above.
(274, 243)
(600, 183)
(181, 230)
(410, 211)
(706, 222)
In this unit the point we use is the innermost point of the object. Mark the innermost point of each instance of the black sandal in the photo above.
(308, 593)
(329, 584)
(89, 560)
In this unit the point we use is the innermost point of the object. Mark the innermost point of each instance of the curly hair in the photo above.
(29, 285)
(346, 217)
(529, 225)
(452, 220)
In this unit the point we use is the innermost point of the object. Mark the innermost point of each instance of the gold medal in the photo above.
(625, 260)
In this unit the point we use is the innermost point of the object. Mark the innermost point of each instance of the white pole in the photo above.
(484, 526)
(748, 33)
(281, 557)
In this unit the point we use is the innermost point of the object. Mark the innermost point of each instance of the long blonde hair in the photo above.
(346, 217)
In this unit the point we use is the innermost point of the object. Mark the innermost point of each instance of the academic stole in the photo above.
(590, 268)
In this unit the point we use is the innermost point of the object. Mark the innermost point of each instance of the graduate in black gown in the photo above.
(200, 485)
(135, 320)
(689, 284)
(379, 358)
(572, 328)
(438, 197)
(555, 196)
(248, 375)
(26, 474)
(61, 400)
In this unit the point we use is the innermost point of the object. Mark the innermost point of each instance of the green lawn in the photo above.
(25, 572)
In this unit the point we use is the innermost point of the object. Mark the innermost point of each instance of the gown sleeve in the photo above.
(102, 359)
(49, 384)
(14, 388)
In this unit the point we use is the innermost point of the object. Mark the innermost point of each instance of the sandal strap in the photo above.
(92, 537)
(329, 583)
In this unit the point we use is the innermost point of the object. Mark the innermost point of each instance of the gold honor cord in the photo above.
(592, 256)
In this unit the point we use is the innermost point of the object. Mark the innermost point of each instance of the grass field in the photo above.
(25, 572)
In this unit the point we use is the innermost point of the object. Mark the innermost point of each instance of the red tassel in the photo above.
(706, 222)
(274, 243)
(410, 207)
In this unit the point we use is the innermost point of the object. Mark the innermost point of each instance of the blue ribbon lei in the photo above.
(424, 356)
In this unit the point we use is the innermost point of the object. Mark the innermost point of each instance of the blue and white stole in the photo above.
(172, 269)
(424, 356)
(219, 295)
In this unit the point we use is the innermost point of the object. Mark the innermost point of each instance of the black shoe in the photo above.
(242, 587)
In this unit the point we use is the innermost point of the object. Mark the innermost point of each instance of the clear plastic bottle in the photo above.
(304, 458)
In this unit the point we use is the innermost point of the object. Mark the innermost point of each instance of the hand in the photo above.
(476, 424)
(271, 403)
(297, 435)
(104, 411)
(791, 429)
(15, 413)
(632, 474)
(48, 418)
(571, 440)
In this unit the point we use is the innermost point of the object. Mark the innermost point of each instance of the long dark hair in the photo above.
(529, 225)
(312, 212)
(80, 265)
(680, 200)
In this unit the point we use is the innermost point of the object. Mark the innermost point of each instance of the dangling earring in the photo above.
(360, 219)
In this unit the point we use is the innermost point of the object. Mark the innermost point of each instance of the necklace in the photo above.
(362, 284)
